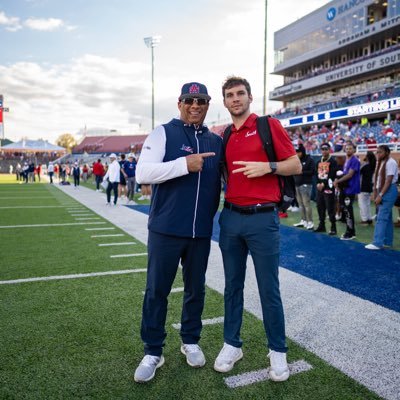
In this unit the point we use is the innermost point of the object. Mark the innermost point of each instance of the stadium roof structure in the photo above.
(109, 144)
(32, 145)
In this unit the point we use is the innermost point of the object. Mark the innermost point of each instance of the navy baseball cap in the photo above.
(194, 89)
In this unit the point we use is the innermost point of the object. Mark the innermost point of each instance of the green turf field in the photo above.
(364, 233)
(79, 338)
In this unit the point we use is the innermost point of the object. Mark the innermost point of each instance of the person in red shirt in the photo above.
(98, 172)
(371, 142)
(249, 223)
(38, 170)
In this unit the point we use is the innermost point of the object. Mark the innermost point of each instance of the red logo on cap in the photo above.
(194, 89)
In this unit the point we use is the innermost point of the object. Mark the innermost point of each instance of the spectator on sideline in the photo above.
(351, 179)
(385, 195)
(37, 171)
(145, 190)
(326, 173)
(50, 171)
(76, 173)
(25, 172)
(130, 172)
(85, 172)
(364, 198)
(113, 174)
(122, 177)
(397, 203)
(31, 171)
(182, 160)
(304, 184)
(249, 224)
(98, 172)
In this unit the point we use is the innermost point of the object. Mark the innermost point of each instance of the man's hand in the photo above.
(320, 187)
(252, 169)
(195, 161)
(378, 199)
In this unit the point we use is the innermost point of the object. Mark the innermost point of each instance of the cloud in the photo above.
(42, 24)
(14, 24)
(11, 24)
(47, 100)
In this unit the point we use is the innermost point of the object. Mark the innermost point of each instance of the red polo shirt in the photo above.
(245, 145)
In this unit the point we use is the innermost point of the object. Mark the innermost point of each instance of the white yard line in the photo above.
(173, 290)
(115, 244)
(48, 225)
(27, 198)
(212, 321)
(263, 375)
(73, 276)
(99, 229)
(128, 255)
(86, 218)
(113, 235)
(10, 207)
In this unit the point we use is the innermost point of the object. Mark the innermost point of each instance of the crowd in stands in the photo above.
(350, 100)
(363, 134)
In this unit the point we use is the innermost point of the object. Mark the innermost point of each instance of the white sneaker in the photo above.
(227, 357)
(194, 356)
(295, 209)
(310, 225)
(142, 197)
(147, 368)
(300, 224)
(371, 246)
(279, 370)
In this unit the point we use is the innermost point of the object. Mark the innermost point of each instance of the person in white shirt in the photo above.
(113, 174)
(50, 171)
(385, 195)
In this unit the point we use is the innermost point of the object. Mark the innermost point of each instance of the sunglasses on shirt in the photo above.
(190, 100)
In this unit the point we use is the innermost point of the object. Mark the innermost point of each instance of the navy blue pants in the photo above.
(114, 187)
(165, 253)
(259, 235)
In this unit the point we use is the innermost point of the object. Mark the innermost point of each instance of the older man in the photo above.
(182, 160)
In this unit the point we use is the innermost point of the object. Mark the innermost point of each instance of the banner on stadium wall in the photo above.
(1, 116)
(352, 70)
(376, 107)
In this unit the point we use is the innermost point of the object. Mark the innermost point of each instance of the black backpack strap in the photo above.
(223, 167)
(227, 134)
(264, 131)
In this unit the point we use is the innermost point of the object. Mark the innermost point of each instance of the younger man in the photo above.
(249, 223)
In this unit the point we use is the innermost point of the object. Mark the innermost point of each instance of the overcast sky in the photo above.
(67, 64)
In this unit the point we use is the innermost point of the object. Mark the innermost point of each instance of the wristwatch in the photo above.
(273, 167)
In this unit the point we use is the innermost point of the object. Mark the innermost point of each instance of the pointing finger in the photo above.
(240, 162)
(205, 155)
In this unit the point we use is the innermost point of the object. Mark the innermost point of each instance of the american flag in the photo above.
(187, 148)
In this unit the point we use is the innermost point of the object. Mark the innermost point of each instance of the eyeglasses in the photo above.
(190, 100)
(324, 148)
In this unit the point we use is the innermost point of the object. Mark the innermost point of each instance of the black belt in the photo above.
(259, 208)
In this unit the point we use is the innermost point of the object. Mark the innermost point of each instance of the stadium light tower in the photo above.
(265, 61)
(151, 42)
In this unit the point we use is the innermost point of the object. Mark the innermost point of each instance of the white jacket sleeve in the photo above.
(150, 168)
